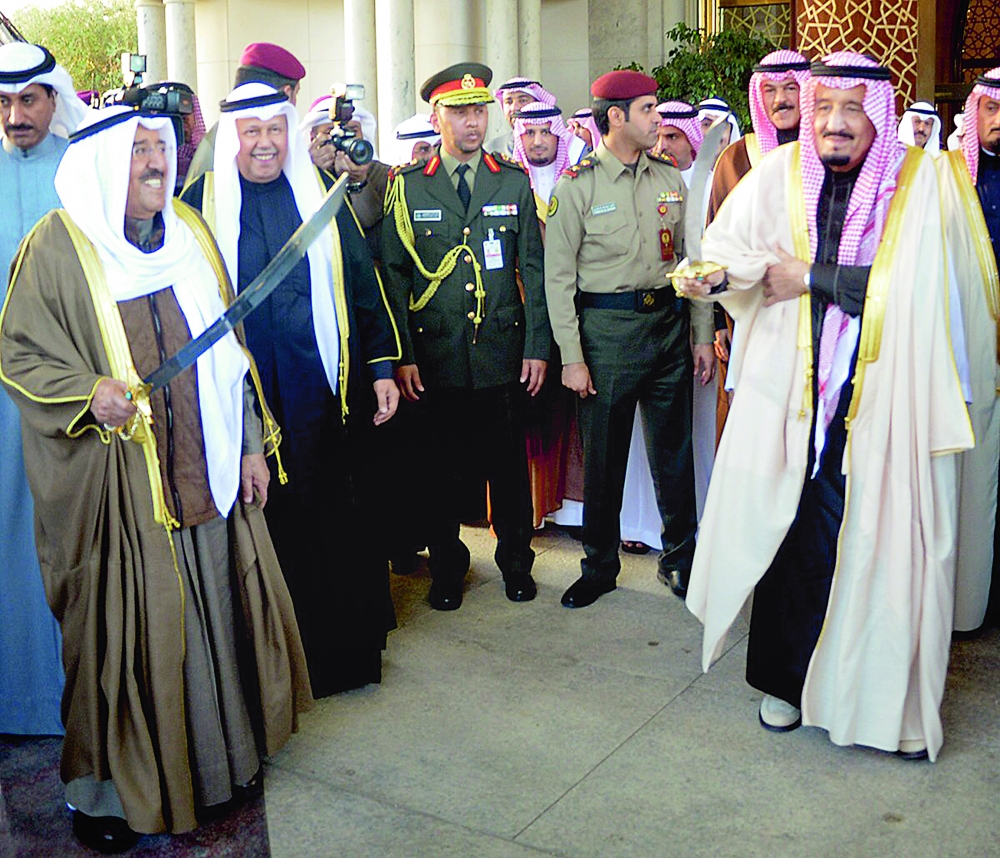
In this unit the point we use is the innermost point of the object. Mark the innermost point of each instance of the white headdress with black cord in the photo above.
(22, 64)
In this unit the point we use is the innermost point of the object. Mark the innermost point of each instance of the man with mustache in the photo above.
(970, 193)
(325, 343)
(833, 498)
(180, 642)
(774, 91)
(38, 108)
(921, 126)
(514, 94)
(615, 229)
(262, 62)
(542, 144)
(460, 231)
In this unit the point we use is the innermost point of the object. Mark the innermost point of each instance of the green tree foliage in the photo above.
(86, 38)
(720, 65)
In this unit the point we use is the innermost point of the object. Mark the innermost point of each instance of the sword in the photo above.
(694, 219)
(253, 296)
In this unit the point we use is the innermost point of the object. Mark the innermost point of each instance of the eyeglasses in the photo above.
(142, 151)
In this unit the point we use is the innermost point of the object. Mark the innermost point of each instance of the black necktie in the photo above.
(464, 194)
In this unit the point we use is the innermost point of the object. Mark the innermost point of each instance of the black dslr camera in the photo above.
(344, 95)
(173, 100)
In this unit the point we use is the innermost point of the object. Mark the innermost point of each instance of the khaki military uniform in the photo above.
(452, 274)
(612, 235)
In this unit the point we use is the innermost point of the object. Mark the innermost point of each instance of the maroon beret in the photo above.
(622, 85)
(264, 55)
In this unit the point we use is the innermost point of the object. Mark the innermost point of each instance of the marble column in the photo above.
(529, 28)
(397, 96)
(501, 39)
(182, 63)
(152, 31)
(359, 51)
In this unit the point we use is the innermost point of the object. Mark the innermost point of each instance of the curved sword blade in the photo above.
(253, 296)
(694, 216)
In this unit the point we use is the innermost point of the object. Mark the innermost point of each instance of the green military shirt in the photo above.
(456, 336)
(603, 234)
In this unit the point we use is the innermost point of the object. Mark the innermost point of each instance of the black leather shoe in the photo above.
(445, 597)
(676, 580)
(586, 591)
(106, 834)
(521, 590)
(251, 790)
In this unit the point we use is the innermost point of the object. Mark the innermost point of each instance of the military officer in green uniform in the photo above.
(459, 228)
(614, 230)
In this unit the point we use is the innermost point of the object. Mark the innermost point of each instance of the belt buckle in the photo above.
(645, 300)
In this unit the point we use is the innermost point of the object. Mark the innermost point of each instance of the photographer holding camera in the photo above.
(336, 128)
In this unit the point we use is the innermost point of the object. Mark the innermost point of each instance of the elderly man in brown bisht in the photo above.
(834, 495)
(183, 659)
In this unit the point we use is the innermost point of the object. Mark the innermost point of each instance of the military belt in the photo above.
(639, 300)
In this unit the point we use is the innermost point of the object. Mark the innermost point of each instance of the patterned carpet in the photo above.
(34, 819)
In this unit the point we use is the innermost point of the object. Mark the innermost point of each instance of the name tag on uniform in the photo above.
(604, 208)
(492, 253)
(426, 215)
(502, 210)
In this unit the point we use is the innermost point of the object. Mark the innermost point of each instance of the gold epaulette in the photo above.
(408, 167)
(494, 160)
(587, 163)
(663, 158)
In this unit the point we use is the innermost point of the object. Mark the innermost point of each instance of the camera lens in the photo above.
(359, 151)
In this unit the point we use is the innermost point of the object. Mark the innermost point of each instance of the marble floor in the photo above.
(528, 729)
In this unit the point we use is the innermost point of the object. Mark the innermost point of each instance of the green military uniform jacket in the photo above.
(603, 233)
(467, 328)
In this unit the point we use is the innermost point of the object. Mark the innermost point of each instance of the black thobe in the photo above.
(790, 601)
(322, 522)
(988, 189)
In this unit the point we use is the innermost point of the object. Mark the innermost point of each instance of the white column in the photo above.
(397, 96)
(501, 39)
(461, 28)
(152, 29)
(359, 50)
(529, 28)
(182, 62)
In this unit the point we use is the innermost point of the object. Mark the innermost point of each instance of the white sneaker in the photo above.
(777, 715)
(912, 749)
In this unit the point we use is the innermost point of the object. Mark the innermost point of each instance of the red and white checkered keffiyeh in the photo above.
(526, 85)
(525, 117)
(185, 152)
(585, 118)
(684, 117)
(767, 134)
(866, 213)
(873, 190)
(970, 139)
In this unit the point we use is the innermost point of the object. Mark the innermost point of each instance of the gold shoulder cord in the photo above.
(980, 235)
(272, 432)
(396, 200)
(879, 280)
(800, 238)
